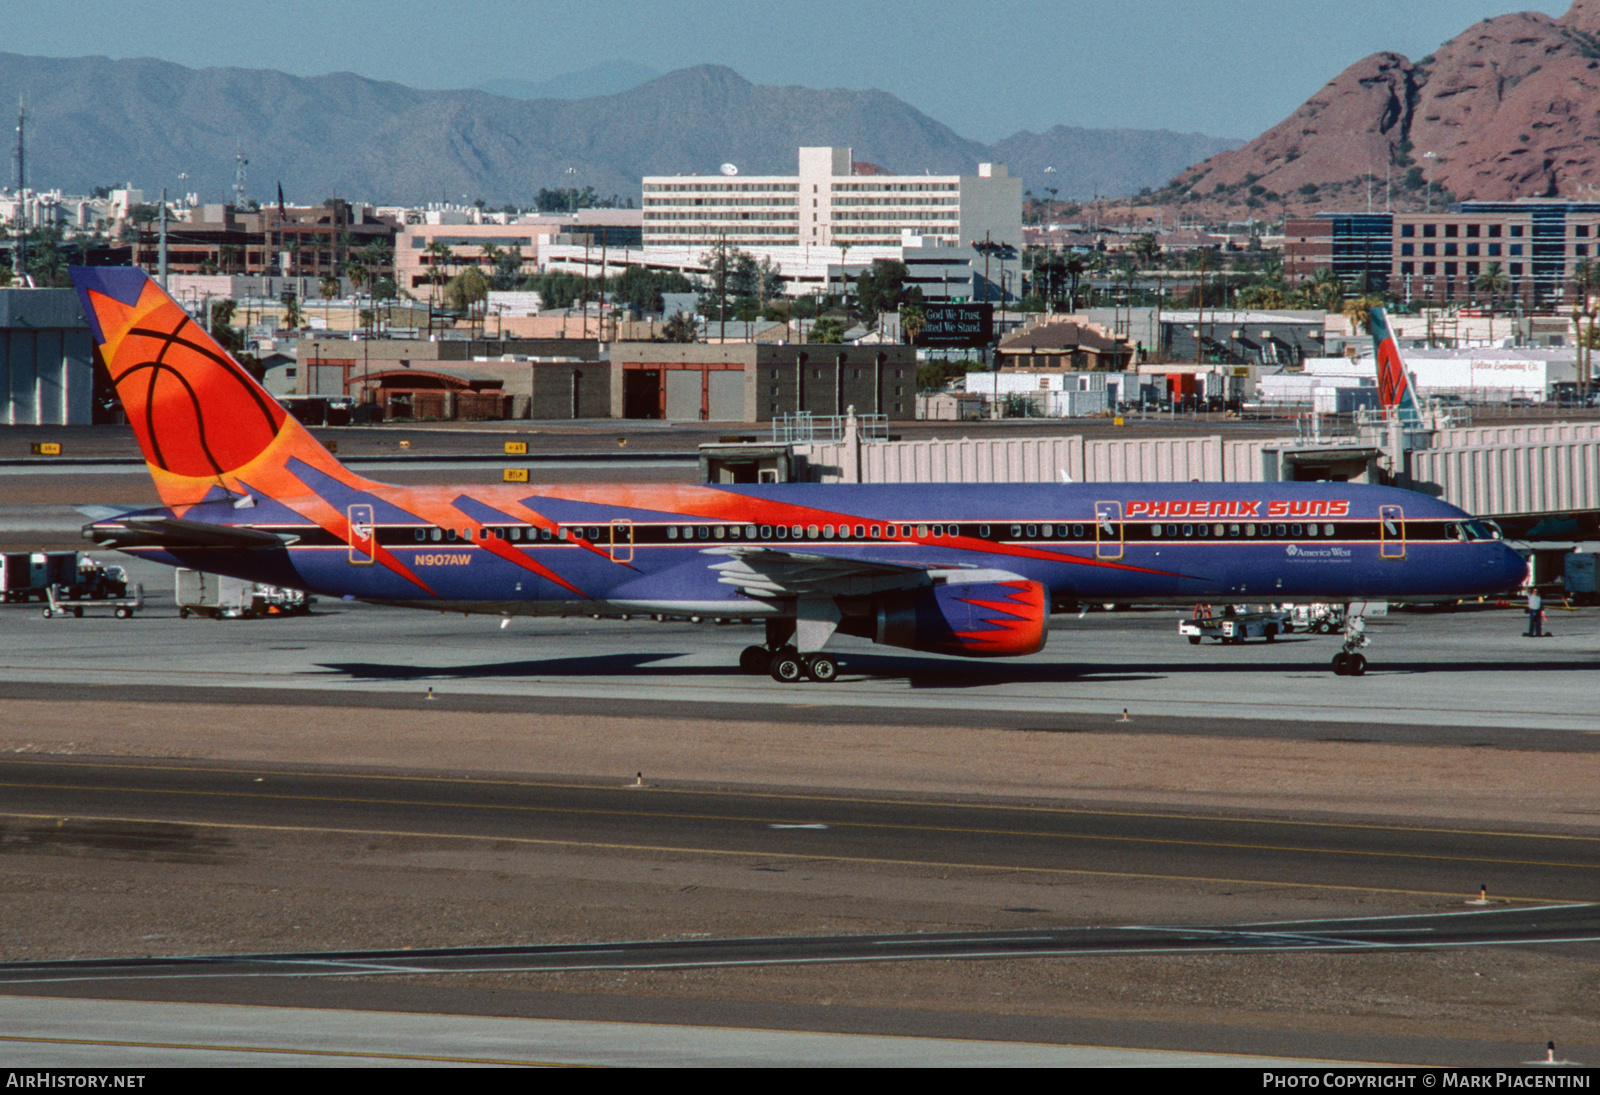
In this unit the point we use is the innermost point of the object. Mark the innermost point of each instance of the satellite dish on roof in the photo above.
(729, 169)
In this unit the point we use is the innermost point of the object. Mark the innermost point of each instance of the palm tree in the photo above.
(1358, 310)
(1325, 291)
(440, 259)
(912, 321)
(329, 290)
(1586, 281)
(1493, 281)
(293, 317)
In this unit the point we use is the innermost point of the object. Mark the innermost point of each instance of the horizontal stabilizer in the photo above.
(174, 532)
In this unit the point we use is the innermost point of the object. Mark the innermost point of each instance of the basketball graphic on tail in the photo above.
(196, 412)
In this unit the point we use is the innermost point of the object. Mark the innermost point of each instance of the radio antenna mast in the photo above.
(238, 179)
(19, 252)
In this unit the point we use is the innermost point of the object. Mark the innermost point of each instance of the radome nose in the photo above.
(1513, 566)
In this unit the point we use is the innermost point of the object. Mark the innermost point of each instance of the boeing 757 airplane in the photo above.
(963, 569)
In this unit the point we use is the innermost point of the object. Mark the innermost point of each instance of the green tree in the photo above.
(828, 329)
(882, 288)
(467, 289)
(1147, 248)
(682, 327)
(221, 325)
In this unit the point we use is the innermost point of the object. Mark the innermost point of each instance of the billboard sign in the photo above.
(957, 325)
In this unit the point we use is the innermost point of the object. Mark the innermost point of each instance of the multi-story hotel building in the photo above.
(831, 202)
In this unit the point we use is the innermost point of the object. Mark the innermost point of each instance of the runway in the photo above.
(176, 810)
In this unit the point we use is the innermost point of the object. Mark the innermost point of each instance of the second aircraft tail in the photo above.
(1395, 393)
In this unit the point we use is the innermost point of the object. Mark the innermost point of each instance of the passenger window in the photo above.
(861, 531)
(422, 534)
(705, 532)
(1188, 530)
(1016, 532)
(1294, 530)
(922, 530)
(1327, 530)
(1155, 530)
(672, 532)
(1233, 530)
(749, 532)
(721, 532)
(766, 532)
(1282, 531)
(812, 532)
(1033, 531)
(544, 534)
(827, 532)
(1311, 530)
(450, 534)
(1077, 531)
(1172, 530)
(783, 532)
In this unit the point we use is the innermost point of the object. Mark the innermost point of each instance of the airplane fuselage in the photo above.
(521, 550)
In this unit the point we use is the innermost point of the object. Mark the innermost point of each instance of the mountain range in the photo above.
(96, 121)
(1506, 109)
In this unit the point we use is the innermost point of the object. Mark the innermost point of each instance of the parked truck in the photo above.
(222, 598)
(29, 576)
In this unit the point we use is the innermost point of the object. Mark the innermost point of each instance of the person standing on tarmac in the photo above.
(1535, 615)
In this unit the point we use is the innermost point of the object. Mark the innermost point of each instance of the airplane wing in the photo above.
(771, 572)
(151, 531)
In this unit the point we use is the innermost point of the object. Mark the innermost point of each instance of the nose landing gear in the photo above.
(1347, 663)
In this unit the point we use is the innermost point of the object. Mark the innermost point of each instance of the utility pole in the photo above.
(162, 262)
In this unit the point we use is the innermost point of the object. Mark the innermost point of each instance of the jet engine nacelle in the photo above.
(973, 619)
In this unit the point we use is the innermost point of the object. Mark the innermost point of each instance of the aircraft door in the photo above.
(363, 537)
(622, 541)
(1391, 532)
(1108, 530)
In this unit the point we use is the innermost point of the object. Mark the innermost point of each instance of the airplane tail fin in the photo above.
(1395, 392)
(202, 421)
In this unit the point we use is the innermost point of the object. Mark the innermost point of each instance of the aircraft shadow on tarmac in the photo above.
(919, 672)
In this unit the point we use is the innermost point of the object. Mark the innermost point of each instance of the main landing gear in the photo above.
(787, 665)
(1347, 663)
(782, 658)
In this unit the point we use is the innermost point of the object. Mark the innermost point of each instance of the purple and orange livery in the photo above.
(972, 570)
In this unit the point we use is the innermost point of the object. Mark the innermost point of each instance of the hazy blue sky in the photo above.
(1224, 67)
